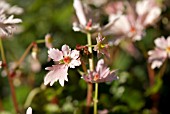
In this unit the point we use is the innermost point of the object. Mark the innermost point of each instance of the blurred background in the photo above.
(133, 93)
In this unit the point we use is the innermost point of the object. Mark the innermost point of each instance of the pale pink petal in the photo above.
(104, 72)
(157, 57)
(168, 41)
(55, 54)
(57, 72)
(161, 43)
(66, 50)
(74, 63)
(29, 110)
(118, 29)
(142, 7)
(80, 12)
(156, 64)
(74, 54)
(11, 20)
(112, 76)
(100, 64)
(152, 16)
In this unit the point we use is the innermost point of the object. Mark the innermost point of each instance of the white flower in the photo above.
(64, 59)
(101, 74)
(160, 53)
(7, 24)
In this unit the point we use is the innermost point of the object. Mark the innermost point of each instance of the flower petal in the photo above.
(57, 72)
(74, 54)
(74, 63)
(29, 110)
(55, 54)
(161, 43)
(80, 12)
(66, 50)
(100, 64)
(152, 16)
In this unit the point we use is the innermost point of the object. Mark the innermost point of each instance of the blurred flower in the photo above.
(160, 53)
(134, 21)
(116, 7)
(87, 19)
(100, 47)
(35, 64)
(64, 59)
(150, 11)
(101, 74)
(7, 24)
(48, 41)
(29, 110)
(85, 24)
(8, 9)
(15, 10)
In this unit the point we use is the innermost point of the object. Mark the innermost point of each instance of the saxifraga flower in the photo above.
(101, 74)
(160, 53)
(64, 59)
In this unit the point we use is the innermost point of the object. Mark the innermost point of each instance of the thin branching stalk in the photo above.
(27, 51)
(91, 67)
(10, 81)
(95, 98)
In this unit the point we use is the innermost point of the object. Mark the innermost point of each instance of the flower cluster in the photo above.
(134, 20)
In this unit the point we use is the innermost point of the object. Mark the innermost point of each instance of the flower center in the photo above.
(132, 30)
(168, 49)
(96, 77)
(67, 60)
(89, 25)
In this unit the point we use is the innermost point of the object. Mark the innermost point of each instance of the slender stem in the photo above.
(12, 89)
(27, 51)
(89, 40)
(151, 74)
(95, 98)
(91, 67)
(40, 41)
(24, 55)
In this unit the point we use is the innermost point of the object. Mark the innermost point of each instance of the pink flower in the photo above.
(100, 47)
(160, 53)
(87, 18)
(134, 20)
(64, 59)
(7, 25)
(85, 24)
(101, 74)
(150, 11)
